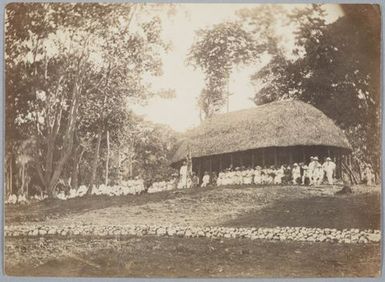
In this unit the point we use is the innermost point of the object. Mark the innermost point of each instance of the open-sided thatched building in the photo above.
(277, 133)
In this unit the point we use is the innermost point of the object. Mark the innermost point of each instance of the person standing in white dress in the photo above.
(296, 174)
(183, 176)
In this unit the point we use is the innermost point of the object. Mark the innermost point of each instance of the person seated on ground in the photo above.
(329, 167)
(174, 181)
(235, 177)
(263, 175)
(287, 171)
(220, 178)
(242, 175)
(22, 199)
(305, 175)
(369, 175)
(279, 174)
(12, 199)
(214, 179)
(189, 181)
(195, 180)
(206, 179)
(271, 174)
(296, 174)
(248, 176)
(257, 175)
(72, 193)
(226, 177)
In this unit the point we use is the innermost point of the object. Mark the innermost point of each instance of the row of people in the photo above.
(312, 174)
(72, 193)
(130, 187)
(160, 186)
(14, 199)
(23, 199)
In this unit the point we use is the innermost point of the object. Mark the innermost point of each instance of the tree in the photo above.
(216, 51)
(154, 145)
(75, 63)
(337, 70)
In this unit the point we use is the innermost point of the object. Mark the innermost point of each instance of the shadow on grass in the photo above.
(361, 211)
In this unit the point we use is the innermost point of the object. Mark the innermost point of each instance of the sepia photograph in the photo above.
(205, 140)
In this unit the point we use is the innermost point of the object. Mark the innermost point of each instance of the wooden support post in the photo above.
(303, 155)
(263, 156)
(231, 160)
(211, 164)
(220, 162)
(290, 156)
(241, 159)
(275, 156)
(252, 158)
(199, 168)
(338, 166)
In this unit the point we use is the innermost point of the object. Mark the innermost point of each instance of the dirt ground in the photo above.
(246, 206)
(197, 257)
(198, 207)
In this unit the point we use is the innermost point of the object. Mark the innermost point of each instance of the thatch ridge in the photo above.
(276, 124)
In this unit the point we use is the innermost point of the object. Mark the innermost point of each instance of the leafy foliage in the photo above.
(72, 71)
(336, 70)
(216, 51)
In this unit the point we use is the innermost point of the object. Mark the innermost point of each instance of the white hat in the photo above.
(315, 158)
(295, 164)
(328, 159)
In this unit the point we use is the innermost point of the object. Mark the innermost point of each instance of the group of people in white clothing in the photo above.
(314, 173)
(165, 185)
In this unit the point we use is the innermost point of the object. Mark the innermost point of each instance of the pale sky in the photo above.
(181, 112)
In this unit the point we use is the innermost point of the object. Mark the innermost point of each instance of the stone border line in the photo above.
(301, 234)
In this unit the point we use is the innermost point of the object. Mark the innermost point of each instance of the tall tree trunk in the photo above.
(76, 166)
(11, 175)
(96, 159)
(68, 140)
(107, 157)
(22, 178)
(8, 190)
(130, 165)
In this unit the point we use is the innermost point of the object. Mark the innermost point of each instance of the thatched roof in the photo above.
(277, 124)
